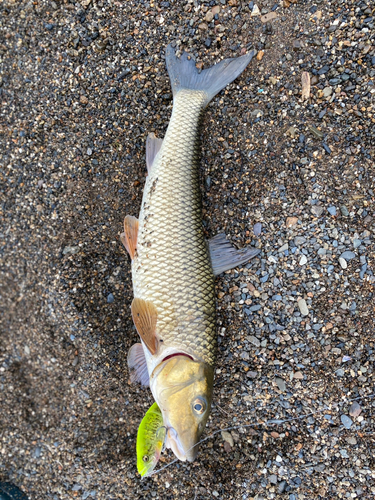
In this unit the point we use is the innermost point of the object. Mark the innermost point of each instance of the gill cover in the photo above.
(183, 390)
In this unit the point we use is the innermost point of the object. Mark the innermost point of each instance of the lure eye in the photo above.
(145, 458)
(199, 406)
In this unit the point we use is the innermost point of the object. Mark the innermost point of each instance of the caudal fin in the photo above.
(184, 74)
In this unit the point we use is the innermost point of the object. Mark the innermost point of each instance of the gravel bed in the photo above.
(81, 86)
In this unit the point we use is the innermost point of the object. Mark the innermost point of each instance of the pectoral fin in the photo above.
(130, 235)
(224, 256)
(153, 145)
(145, 315)
(137, 365)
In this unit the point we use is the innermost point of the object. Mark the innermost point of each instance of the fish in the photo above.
(150, 440)
(173, 265)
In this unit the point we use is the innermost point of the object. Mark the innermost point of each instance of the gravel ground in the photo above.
(81, 85)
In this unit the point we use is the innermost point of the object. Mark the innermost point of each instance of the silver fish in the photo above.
(173, 266)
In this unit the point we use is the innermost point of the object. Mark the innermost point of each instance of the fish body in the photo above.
(150, 440)
(173, 266)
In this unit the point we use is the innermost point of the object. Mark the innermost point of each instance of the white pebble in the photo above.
(303, 260)
(303, 307)
(343, 263)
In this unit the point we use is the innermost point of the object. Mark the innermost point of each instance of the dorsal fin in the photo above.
(153, 145)
(130, 235)
(145, 315)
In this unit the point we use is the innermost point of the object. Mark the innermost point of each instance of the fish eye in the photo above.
(199, 406)
(145, 458)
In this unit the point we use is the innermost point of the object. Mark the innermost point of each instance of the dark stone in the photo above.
(322, 113)
(324, 70)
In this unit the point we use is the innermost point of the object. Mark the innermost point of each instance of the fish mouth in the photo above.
(173, 442)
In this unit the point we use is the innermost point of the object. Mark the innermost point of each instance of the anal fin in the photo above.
(130, 235)
(153, 145)
(224, 256)
(145, 315)
(137, 365)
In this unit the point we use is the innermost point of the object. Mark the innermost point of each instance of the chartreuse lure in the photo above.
(150, 440)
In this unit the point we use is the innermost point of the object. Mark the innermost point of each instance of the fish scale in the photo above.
(172, 267)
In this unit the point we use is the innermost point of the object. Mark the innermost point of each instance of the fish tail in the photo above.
(184, 74)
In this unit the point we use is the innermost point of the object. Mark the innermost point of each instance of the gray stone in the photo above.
(227, 436)
(355, 410)
(283, 248)
(299, 240)
(303, 307)
(280, 384)
(344, 210)
(332, 210)
(346, 421)
(253, 340)
(327, 91)
(257, 229)
(282, 486)
(348, 255)
(317, 210)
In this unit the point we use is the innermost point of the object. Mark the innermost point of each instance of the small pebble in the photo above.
(344, 210)
(280, 384)
(332, 210)
(355, 410)
(255, 11)
(348, 255)
(303, 307)
(227, 436)
(253, 340)
(346, 421)
(110, 298)
(303, 260)
(317, 210)
(343, 263)
(291, 221)
(257, 229)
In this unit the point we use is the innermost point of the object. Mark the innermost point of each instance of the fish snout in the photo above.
(191, 455)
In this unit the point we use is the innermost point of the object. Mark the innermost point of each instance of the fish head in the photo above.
(149, 450)
(182, 388)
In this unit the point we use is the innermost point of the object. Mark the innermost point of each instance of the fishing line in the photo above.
(265, 423)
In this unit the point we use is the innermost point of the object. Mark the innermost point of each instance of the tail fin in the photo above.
(184, 74)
